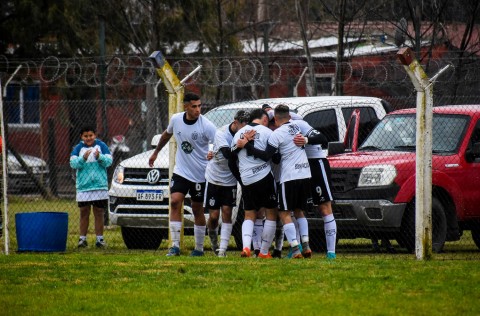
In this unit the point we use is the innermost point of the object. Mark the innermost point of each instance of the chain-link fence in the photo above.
(372, 184)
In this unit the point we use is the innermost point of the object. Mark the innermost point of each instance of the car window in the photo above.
(324, 121)
(475, 138)
(448, 132)
(368, 120)
(220, 117)
(398, 132)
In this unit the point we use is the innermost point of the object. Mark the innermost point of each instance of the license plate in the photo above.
(149, 195)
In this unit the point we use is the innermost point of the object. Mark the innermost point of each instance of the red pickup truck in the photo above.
(374, 185)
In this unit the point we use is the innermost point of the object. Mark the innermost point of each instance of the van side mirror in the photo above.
(335, 148)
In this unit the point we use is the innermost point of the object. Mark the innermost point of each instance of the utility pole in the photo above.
(265, 24)
(103, 92)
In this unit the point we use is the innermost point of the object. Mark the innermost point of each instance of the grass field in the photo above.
(119, 281)
(459, 250)
(148, 283)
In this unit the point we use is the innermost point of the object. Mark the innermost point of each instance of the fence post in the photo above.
(4, 222)
(52, 166)
(423, 172)
(175, 104)
(3, 145)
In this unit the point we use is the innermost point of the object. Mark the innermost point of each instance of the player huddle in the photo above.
(278, 160)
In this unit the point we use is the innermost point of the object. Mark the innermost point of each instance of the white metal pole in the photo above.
(4, 178)
(4, 164)
(423, 176)
(423, 169)
(194, 71)
(295, 91)
(423, 179)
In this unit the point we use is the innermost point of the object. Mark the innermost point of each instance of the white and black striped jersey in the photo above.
(192, 145)
(252, 169)
(294, 162)
(218, 171)
(312, 151)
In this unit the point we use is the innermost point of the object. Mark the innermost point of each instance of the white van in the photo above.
(139, 202)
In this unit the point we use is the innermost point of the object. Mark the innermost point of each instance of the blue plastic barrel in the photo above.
(42, 231)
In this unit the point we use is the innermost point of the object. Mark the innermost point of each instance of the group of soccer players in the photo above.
(275, 156)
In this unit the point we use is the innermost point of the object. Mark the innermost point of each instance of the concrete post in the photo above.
(423, 178)
(175, 92)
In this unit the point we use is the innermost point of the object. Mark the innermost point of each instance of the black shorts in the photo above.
(218, 195)
(320, 182)
(97, 203)
(260, 194)
(294, 195)
(182, 185)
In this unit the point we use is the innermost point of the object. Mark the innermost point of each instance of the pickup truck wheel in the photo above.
(439, 227)
(142, 238)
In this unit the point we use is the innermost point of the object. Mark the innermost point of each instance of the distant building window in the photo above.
(22, 103)
(324, 83)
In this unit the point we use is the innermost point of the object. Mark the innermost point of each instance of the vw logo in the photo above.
(153, 176)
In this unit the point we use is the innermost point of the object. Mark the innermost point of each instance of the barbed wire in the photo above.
(232, 71)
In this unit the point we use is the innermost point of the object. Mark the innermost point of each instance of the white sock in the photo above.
(247, 232)
(294, 220)
(175, 228)
(83, 237)
(291, 234)
(330, 226)
(199, 232)
(303, 229)
(268, 235)
(257, 233)
(99, 237)
(225, 233)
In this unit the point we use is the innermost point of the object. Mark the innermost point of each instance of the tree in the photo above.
(344, 12)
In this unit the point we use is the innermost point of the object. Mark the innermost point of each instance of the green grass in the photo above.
(118, 281)
(352, 248)
(147, 283)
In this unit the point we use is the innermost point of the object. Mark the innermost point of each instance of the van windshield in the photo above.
(220, 117)
(398, 132)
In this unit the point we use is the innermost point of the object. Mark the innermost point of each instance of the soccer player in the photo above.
(192, 132)
(320, 182)
(294, 190)
(258, 184)
(221, 188)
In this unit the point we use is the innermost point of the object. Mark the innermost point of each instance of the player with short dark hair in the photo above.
(221, 188)
(320, 182)
(294, 191)
(192, 132)
(258, 184)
